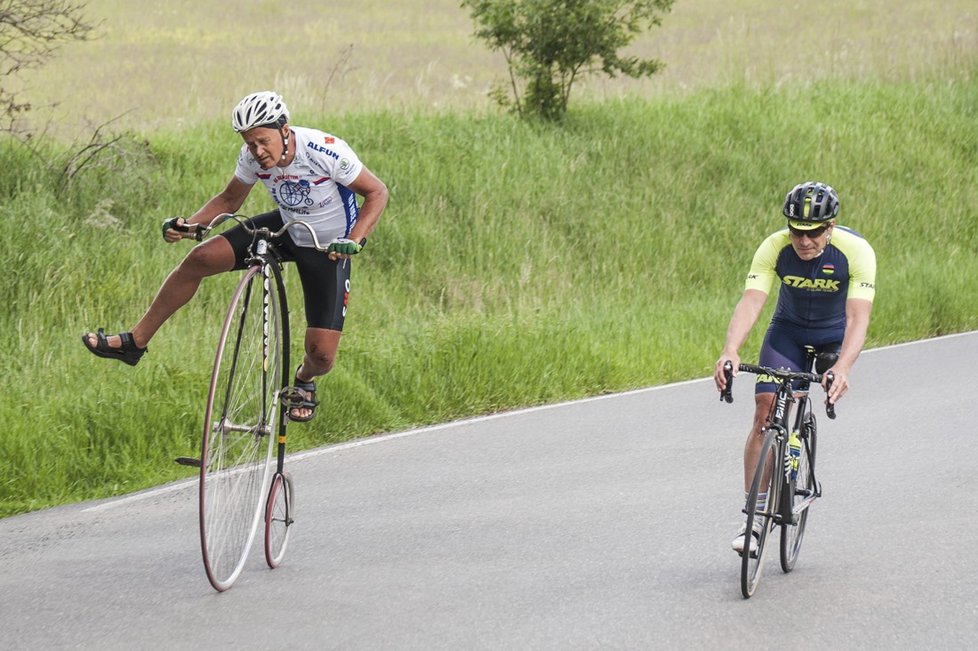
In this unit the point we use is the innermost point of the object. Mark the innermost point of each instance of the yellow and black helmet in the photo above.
(810, 203)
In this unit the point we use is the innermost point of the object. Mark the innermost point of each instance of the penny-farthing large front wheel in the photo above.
(241, 414)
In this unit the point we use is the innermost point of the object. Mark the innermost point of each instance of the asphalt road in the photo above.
(604, 523)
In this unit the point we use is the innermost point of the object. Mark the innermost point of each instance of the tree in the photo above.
(549, 44)
(30, 32)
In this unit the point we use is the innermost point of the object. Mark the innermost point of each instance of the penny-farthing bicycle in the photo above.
(242, 456)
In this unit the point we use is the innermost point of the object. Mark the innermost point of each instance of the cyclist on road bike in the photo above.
(312, 176)
(828, 276)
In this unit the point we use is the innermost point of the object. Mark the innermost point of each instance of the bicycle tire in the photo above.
(802, 488)
(237, 445)
(279, 516)
(753, 562)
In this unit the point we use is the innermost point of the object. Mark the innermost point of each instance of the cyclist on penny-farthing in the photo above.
(312, 176)
(828, 275)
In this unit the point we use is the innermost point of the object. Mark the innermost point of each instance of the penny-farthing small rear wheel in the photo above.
(279, 516)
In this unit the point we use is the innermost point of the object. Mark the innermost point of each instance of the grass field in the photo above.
(517, 263)
(180, 62)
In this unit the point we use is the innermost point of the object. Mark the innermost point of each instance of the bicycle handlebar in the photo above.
(200, 232)
(780, 375)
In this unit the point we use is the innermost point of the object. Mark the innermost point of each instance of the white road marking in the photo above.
(383, 438)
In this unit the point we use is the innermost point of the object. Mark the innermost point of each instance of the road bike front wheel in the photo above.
(760, 516)
(279, 516)
(242, 408)
(802, 494)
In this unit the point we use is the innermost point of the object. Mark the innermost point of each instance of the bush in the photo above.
(549, 44)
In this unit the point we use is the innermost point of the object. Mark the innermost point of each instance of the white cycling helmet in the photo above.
(262, 109)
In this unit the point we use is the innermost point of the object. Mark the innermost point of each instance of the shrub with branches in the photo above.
(30, 32)
(550, 44)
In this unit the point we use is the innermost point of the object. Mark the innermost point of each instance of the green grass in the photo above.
(181, 62)
(516, 264)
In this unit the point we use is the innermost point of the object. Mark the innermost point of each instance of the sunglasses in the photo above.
(812, 234)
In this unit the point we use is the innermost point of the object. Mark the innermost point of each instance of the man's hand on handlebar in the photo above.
(342, 249)
(177, 228)
(719, 376)
(838, 386)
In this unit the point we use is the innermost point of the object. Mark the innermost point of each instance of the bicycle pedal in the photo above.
(292, 397)
(188, 461)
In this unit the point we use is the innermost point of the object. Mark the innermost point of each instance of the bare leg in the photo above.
(752, 449)
(212, 257)
(321, 345)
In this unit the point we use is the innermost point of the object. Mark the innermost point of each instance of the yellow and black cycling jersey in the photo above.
(813, 292)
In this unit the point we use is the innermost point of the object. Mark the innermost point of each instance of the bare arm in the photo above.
(857, 323)
(375, 195)
(744, 317)
(228, 200)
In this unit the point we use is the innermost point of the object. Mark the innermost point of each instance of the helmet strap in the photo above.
(285, 143)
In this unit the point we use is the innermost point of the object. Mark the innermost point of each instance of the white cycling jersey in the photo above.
(313, 187)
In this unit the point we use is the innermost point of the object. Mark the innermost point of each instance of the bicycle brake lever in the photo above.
(727, 393)
(829, 407)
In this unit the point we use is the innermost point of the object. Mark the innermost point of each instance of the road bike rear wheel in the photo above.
(279, 516)
(242, 409)
(803, 488)
(765, 480)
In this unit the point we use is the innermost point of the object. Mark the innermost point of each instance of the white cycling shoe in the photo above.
(740, 541)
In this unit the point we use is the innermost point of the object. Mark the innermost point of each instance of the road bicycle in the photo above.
(242, 453)
(785, 468)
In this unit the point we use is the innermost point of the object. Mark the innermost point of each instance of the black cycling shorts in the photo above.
(325, 282)
(784, 347)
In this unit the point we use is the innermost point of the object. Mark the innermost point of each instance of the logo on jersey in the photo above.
(329, 140)
(323, 150)
(814, 285)
(828, 269)
(292, 194)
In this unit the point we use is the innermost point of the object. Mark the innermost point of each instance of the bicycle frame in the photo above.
(263, 254)
(785, 397)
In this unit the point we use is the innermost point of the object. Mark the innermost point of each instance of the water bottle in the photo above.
(794, 450)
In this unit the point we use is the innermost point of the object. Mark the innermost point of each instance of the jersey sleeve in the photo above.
(245, 171)
(762, 269)
(862, 270)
